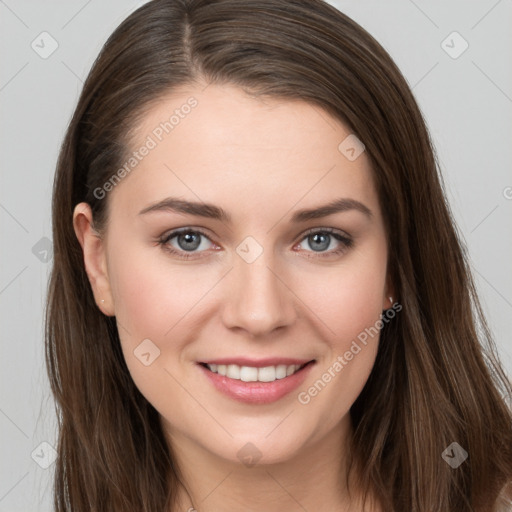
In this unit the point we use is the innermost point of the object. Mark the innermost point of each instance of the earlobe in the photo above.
(95, 262)
(389, 296)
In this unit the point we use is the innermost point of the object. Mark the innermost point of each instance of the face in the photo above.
(210, 256)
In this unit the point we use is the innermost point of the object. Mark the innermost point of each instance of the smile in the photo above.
(259, 383)
(253, 374)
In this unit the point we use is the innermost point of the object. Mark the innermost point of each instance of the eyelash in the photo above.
(346, 242)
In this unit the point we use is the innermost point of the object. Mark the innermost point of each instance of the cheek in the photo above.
(149, 300)
(349, 298)
(151, 295)
(350, 305)
(155, 301)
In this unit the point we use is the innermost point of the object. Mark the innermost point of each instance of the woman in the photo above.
(259, 299)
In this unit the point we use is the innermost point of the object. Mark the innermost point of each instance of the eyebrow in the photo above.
(215, 212)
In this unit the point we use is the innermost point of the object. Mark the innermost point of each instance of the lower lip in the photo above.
(257, 392)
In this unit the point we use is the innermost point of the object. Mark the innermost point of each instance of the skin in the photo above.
(260, 160)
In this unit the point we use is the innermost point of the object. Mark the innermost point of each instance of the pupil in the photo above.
(324, 244)
(189, 242)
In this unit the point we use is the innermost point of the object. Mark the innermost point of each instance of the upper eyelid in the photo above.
(176, 232)
(325, 230)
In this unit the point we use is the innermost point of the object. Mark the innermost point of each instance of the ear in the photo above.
(95, 261)
(389, 294)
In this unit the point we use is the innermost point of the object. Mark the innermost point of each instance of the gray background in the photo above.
(467, 102)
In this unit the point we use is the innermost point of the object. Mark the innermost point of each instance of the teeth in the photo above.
(248, 374)
(281, 371)
(266, 374)
(252, 374)
(233, 371)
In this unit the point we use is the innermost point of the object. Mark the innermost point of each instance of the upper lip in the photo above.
(258, 363)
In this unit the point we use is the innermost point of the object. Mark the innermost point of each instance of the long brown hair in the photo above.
(437, 378)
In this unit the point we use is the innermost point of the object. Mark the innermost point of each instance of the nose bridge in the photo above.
(257, 300)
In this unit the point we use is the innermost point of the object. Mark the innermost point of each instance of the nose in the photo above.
(258, 299)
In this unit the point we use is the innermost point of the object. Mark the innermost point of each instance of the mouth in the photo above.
(256, 382)
(269, 373)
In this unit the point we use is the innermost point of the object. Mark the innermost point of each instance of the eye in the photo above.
(322, 239)
(187, 243)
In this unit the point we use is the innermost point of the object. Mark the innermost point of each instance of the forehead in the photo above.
(219, 144)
